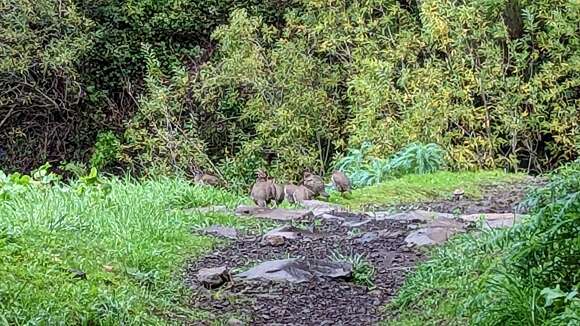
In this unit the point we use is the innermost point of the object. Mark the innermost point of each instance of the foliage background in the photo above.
(230, 86)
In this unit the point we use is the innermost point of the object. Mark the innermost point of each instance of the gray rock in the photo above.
(214, 277)
(415, 215)
(319, 208)
(435, 232)
(77, 273)
(367, 237)
(493, 220)
(389, 234)
(330, 217)
(431, 235)
(278, 236)
(277, 214)
(296, 270)
(221, 231)
(273, 240)
(412, 226)
(354, 222)
(458, 194)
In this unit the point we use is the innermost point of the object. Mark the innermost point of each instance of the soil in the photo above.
(324, 301)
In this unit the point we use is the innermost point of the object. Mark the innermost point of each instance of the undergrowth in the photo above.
(526, 275)
(129, 239)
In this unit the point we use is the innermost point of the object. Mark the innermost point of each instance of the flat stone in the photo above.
(435, 231)
(235, 322)
(493, 220)
(214, 277)
(331, 217)
(319, 208)
(449, 223)
(412, 226)
(433, 234)
(77, 273)
(367, 237)
(389, 234)
(415, 215)
(277, 214)
(354, 222)
(296, 270)
(221, 231)
(286, 232)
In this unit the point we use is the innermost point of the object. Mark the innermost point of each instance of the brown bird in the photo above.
(301, 194)
(340, 182)
(315, 184)
(279, 194)
(263, 190)
(289, 191)
(207, 179)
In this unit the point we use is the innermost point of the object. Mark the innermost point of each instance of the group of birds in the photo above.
(266, 190)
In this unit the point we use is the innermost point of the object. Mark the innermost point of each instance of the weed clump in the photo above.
(363, 271)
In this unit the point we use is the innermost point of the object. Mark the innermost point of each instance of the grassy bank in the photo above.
(417, 188)
(526, 275)
(129, 239)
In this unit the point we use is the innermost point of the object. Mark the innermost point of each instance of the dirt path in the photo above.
(323, 301)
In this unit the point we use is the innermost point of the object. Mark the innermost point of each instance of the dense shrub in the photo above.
(529, 274)
(494, 83)
(418, 159)
(40, 44)
(275, 95)
(69, 69)
(161, 139)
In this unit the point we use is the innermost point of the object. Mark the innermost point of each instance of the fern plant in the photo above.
(355, 158)
(376, 171)
(365, 170)
(418, 159)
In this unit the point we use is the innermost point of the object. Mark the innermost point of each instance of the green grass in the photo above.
(132, 245)
(416, 188)
(133, 242)
(525, 275)
(438, 292)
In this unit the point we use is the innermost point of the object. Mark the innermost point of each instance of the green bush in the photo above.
(107, 150)
(41, 43)
(526, 275)
(15, 184)
(274, 94)
(161, 139)
(491, 82)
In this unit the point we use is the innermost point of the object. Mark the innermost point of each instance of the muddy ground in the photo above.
(325, 301)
